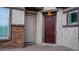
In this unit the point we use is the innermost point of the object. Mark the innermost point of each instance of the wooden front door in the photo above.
(50, 22)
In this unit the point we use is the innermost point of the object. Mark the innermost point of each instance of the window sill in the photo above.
(5, 40)
(70, 25)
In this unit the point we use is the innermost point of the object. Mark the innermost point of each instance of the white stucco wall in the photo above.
(18, 17)
(70, 37)
(67, 36)
(59, 28)
(39, 28)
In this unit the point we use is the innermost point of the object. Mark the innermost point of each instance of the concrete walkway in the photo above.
(38, 48)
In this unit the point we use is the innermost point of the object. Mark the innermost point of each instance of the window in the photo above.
(4, 23)
(72, 17)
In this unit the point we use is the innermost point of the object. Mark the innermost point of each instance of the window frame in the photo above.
(68, 17)
(10, 17)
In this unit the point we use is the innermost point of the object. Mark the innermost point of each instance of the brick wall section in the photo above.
(16, 40)
(18, 36)
(6, 44)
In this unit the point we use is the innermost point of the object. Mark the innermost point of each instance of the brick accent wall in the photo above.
(17, 36)
(16, 40)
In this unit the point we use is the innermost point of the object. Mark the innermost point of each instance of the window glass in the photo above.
(4, 23)
(72, 17)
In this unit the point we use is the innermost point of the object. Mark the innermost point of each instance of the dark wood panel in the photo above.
(50, 22)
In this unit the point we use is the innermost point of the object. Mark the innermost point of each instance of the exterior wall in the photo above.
(70, 37)
(66, 36)
(18, 17)
(39, 28)
(59, 29)
(17, 36)
(17, 30)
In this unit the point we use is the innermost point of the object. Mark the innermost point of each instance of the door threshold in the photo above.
(29, 43)
(26, 44)
(49, 44)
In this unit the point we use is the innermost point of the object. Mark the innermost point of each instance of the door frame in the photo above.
(34, 40)
(43, 34)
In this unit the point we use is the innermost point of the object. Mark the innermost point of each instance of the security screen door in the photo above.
(30, 28)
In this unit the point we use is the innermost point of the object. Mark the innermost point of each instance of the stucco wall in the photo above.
(18, 17)
(66, 36)
(39, 28)
(59, 28)
(70, 37)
